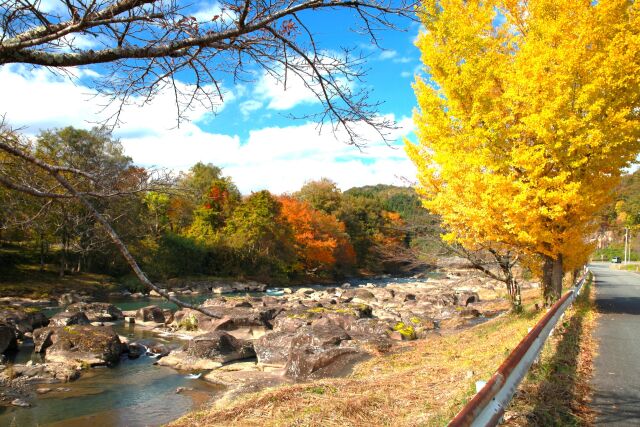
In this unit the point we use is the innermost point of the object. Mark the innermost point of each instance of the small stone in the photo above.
(469, 374)
(43, 390)
(20, 403)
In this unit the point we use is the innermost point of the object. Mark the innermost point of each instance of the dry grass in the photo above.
(424, 383)
(557, 390)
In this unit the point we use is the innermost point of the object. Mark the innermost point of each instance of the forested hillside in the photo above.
(198, 223)
(623, 213)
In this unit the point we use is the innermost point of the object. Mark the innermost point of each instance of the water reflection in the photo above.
(134, 393)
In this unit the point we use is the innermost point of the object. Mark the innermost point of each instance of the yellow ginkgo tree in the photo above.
(527, 114)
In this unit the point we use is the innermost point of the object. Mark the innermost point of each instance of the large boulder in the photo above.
(288, 322)
(65, 318)
(219, 346)
(228, 318)
(45, 373)
(317, 351)
(70, 298)
(274, 348)
(151, 313)
(361, 293)
(8, 339)
(79, 344)
(179, 359)
(23, 321)
(465, 298)
(97, 311)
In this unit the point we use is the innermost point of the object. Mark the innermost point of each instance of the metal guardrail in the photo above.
(487, 407)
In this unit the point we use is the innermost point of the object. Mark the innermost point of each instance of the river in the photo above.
(132, 393)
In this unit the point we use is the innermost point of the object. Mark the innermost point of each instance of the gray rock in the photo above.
(69, 298)
(361, 293)
(314, 349)
(229, 318)
(65, 318)
(465, 298)
(274, 348)
(151, 313)
(136, 350)
(97, 311)
(8, 339)
(219, 346)
(79, 344)
(20, 403)
(23, 322)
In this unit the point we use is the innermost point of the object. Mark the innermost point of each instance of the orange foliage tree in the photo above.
(321, 243)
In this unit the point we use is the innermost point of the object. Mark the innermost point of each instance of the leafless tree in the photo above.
(496, 264)
(145, 44)
(142, 46)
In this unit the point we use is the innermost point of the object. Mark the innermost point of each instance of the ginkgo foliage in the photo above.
(527, 115)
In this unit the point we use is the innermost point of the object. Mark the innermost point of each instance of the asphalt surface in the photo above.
(616, 380)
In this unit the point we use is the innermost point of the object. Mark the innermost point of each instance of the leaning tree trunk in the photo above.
(122, 248)
(124, 251)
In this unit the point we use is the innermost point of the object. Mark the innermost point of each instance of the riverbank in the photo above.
(260, 340)
(422, 382)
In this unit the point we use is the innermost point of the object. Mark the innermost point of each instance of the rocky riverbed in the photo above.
(256, 340)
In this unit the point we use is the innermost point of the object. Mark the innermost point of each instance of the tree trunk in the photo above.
(558, 274)
(547, 280)
(514, 293)
(552, 274)
(41, 251)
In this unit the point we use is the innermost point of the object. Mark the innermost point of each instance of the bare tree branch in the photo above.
(144, 43)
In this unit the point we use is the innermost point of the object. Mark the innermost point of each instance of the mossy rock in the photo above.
(408, 332)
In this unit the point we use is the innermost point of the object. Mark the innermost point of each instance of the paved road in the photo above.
(616, 379)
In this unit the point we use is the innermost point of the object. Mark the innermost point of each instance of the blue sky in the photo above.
(250, 136)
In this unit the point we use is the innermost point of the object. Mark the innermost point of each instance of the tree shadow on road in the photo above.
(618, 305)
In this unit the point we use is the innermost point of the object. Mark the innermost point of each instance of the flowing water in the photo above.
(132, 393)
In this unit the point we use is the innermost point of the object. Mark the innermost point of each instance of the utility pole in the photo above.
(626, 244)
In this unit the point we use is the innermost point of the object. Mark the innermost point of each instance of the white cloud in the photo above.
(247, 107)
(403, 60)
(207, 11)
(279, 96)
(280, 159)
(79, 41)
(284, 90)
(180, 148)
(388, 54)
(39, 99)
